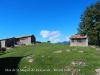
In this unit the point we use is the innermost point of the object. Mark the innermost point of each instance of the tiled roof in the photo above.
(18, 37)
(24, 36)
(8, 38)
(77, 36)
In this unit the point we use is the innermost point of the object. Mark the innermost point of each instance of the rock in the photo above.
(30, 60)
(97, 71)
(57, 52)
(98, 49)
(84, 64)
(67, 50)
(79, 63)
(8, 48)
(81, 51)
(25, 66)
(16, 45)
(93, 46)
(42, 56)
(28, 57)
(73, 63)
(48, 56)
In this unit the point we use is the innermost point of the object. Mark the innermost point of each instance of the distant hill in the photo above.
(64, 42)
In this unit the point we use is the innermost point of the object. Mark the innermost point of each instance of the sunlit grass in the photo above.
(46, 61)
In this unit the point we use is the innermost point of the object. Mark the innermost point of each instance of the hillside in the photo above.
(50, 59)
(64, 42)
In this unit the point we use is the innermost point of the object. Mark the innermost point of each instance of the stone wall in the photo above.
(25, 41)
(11, 42)
(3, 44)
(79, 43)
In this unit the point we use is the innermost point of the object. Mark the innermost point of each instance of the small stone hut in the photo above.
(25, 40)
(8, 42)
(22, 40)
(78, 40)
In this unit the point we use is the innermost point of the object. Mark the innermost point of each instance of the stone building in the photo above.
(22, 40)
(25, 40)
(78, 40)
(8, 42)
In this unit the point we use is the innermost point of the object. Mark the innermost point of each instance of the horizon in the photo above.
(47, 20)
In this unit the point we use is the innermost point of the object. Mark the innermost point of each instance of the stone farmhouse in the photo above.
(8, 42)
(25, 40)
(78, 40)
(22, 40)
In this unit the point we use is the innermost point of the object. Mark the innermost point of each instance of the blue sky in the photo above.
(54, 20)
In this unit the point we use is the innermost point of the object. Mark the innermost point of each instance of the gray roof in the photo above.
(78, 36)
(25, 36)
(7, 38)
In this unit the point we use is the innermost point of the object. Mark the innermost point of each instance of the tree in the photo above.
(38, 42)
(48, 41)
(90, 23)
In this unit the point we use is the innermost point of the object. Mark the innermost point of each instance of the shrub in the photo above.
(3, 49)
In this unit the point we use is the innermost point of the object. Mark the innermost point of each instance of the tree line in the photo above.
(90, 23)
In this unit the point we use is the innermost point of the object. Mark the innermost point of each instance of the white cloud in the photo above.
(53, 36)
(55, 33)
(44, 33)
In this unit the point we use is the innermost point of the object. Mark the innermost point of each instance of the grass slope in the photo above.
(46, 62)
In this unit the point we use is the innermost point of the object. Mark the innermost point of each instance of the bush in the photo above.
(38, 42)
(3, 49)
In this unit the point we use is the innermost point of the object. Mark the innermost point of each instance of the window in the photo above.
(83, 40)
(74, 40)
(79, 40)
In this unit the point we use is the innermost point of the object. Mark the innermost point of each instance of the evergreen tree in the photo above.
(90, 23)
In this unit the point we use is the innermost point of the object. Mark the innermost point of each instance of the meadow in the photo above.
(50, 59)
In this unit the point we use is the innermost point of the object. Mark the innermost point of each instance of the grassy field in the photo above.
(50, 59)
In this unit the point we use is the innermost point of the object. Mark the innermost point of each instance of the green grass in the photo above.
(47, 61)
